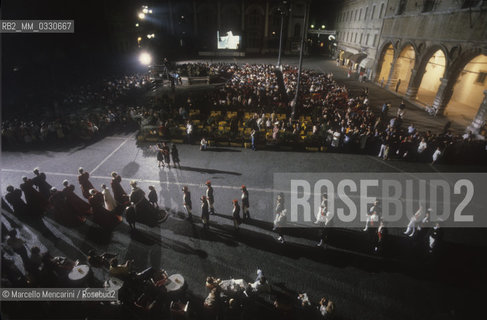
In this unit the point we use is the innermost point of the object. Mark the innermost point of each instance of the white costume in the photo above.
(110, 203)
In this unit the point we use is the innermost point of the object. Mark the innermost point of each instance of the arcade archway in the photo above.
(468, 91)
(431, 80)
(385, 65)
(404, 66)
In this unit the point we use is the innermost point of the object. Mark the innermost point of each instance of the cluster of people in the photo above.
(232, 298)
(69, 209)
(336, 120)
(208, 206)
(83, 113)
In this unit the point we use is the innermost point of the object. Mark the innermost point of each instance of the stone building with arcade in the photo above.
(434, 53)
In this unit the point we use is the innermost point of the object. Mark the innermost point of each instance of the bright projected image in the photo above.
(230, 41)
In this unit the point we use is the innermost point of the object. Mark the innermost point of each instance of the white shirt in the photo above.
(422, 146)
(189, 128)
(436, 155)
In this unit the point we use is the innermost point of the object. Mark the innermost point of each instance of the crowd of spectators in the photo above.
(81, 114)
(327, 116)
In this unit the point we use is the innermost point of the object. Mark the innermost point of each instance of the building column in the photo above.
(412, 90)
(391, 80)
(442, 96)
(479, 119)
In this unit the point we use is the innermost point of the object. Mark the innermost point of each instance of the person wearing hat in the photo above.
(245, 203)
(74, 202)
(40, 182)
(236, 214)
(209, 196)
(14, 197)
(187, 202)
(83, 179)
(205, 215)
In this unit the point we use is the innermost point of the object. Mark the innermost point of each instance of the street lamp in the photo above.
(145, 58)
(283, 9)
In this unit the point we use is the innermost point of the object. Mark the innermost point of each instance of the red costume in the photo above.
(85, 183)
(102, 216)
(35, 201)
(118, 193)
(63, 212)
(78, 205)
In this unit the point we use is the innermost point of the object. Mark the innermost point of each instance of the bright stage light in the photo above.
(145, 58)
(141, 16)
(145, 10)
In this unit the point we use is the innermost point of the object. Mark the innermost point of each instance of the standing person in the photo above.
(381, 235)
(411, 229)
(110, 203)
(252, 138)
(40, 182)
(209, 197)
(165, 154)
(85, 183)
(325, 220)
(205, 215)
(189, 131)
(245, 203)
(436, 155)
(118, 193)
(160, 156)
(175, 156)
(187, 202)
(236, 214)
(36, 202)
(280, 216)
(153, 199)
(62, 212)
(14, 197)
(434, 238)
(75, 203)
(102, 216)
(401, 109)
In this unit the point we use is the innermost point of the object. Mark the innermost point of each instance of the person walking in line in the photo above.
(160, 156)
(411, 229)
(209, 196)
(245, 203)
(153, 199)
(175, 156)
(279, 219)
(187, 202)
(236, 215)
(205, 215)
(110, 203)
